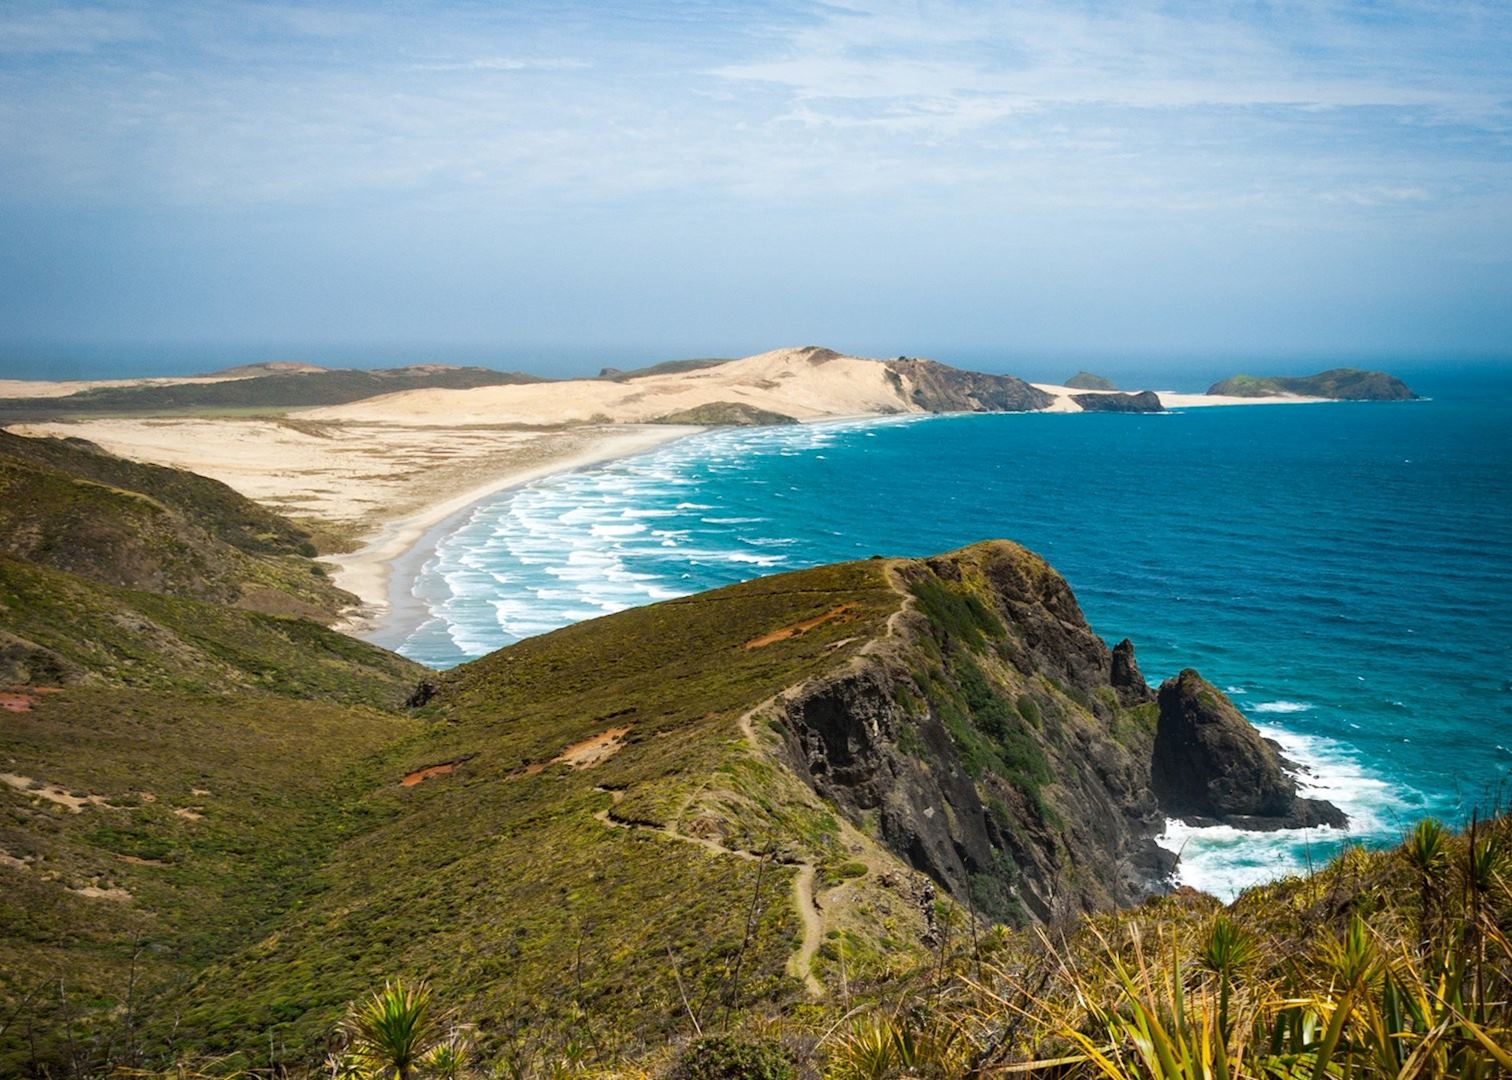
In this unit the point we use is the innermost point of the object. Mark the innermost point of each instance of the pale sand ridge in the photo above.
(806, 384)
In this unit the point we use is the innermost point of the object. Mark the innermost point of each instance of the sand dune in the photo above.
(806, 384)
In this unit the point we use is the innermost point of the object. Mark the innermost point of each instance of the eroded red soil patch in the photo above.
(22, 698)
(411, 779)
(581, 755)
(590, 752)
(844, 611)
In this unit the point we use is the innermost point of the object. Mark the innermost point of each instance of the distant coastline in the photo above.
(385, 463)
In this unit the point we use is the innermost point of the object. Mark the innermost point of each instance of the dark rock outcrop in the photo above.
(1012, 771)
(1146, 401)
(1210, 763)
(1126, 678)
(936, 387)
(996, 744)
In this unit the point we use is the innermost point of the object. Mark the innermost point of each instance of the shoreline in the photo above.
(381, 572)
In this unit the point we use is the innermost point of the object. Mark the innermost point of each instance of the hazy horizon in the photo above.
(1169, 371)
(562, 186)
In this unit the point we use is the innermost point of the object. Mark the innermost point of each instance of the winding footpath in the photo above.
(801, 963)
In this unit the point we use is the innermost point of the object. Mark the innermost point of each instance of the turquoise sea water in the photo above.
(1344, 571)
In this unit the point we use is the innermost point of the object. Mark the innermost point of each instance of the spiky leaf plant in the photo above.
(389, 1034)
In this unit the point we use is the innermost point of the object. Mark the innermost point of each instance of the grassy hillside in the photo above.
(725, 414)
(608, 831)
(71, 507)
(172, 768)
(547, 895)
(60, 629)
(225, 513)
(147, 833)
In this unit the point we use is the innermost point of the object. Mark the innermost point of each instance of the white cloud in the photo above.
(52, 29)
(1007, 108)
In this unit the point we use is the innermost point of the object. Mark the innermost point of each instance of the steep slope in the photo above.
(69, 506)
(934, 387)
(731, 800)
(231, 517)
(1342, 384)
(58, 629)
(171, 768)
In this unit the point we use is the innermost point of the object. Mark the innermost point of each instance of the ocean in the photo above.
(1343, 571)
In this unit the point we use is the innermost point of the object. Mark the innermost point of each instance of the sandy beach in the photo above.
(379, 572)
(372, 490)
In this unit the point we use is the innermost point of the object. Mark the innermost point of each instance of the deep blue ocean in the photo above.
(1344, 571)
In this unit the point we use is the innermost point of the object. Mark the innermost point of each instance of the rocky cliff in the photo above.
(1146, 401)
(996, 743)
(1210, 765)
(936, 387)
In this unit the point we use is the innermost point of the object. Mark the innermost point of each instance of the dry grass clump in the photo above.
(1393, 964)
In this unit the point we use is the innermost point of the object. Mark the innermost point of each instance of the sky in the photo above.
(560, 186)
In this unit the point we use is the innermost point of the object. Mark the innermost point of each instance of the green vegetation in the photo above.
(1344, 384)
(666, 367)
(263, 392)
(59, 629)
(172, 767)
(723, 1057)
(67, 505)
(396, 1032)
(229, 516)
(957, 615)
(725, 414)
(1085, 380)
(1377, 966)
